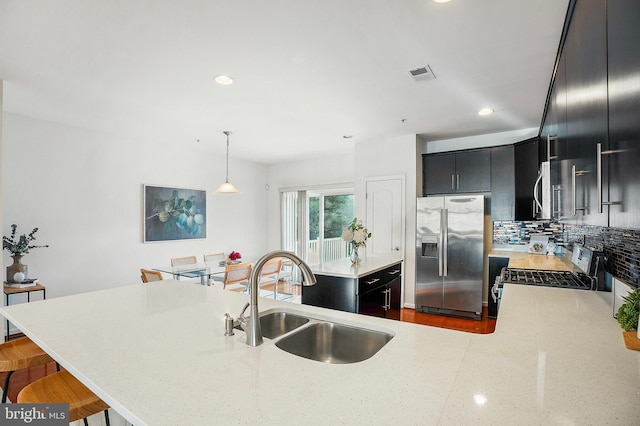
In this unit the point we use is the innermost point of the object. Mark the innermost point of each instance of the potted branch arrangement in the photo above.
(627, 317)
(18, 247)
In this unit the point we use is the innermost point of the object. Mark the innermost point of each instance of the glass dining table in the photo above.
(202, 270)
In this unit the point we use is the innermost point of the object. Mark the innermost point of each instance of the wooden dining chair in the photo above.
(237, 276)
(148, 275)
(63, 388)
(18, 354)
(214, 259)
(270, 273)
(179, 261)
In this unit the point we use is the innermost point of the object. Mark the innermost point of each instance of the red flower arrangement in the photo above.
(234, 255)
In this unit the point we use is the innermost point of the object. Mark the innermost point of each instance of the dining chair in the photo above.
(215, 259)
(18, 354)
(148, 275)
(179, 261)
(63, 388)
(237, 276)
(270, 273)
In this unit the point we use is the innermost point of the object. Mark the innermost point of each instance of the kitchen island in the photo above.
(157, 354)
(371, 287)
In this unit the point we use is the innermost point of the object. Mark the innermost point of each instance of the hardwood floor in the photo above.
(484, 326)
(21, 378)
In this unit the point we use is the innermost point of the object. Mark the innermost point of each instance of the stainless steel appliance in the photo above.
(543, 201)
(588, 276)
(449, 255)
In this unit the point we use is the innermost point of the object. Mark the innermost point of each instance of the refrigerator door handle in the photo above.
(445, 239)
(440, 245)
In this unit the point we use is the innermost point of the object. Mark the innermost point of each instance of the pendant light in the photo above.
(227, 187)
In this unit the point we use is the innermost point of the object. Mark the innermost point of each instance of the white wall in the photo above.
(383, 157)
(392, 157)
(84, 191)
(334, 169)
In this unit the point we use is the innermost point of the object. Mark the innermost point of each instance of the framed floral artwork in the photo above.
(174, 213)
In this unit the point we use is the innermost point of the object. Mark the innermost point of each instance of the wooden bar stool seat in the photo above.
(63, 388)
(18, 354)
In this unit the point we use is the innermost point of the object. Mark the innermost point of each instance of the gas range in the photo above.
(585, 261)
(562, 279)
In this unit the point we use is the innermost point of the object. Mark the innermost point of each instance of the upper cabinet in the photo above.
(585, 55)
(623, 153)
(591, 130)
(503, 199)
(457, 172)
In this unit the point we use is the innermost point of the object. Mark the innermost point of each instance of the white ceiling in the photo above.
(306, 72)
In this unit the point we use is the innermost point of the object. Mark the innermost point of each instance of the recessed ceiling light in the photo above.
(441, 1)
(347, 136)
(486, 111)
(223, 79)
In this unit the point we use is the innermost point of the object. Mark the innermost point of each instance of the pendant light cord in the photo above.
(227, 133)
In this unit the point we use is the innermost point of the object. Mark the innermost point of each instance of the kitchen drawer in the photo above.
(379, 278)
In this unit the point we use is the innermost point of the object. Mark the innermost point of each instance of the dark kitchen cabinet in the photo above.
(377, 293)
(592, 116)
(382, 301)
(457, 172)
(526, 172)
(585, 53)
(438, 172)
(514, 170)
(624, 114)
(502, 183)
(553, 137)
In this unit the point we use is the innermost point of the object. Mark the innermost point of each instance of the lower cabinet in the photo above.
(376, 294)
(383, 301)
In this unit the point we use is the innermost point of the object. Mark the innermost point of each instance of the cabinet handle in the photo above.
(599, 154)
(387, 299)
(373, 281)
(457, 181)
(394, 272)
(599, 174)
(575, 173)
(555, 192)
(453, 182)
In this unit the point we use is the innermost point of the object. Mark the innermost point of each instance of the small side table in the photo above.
(8, 291)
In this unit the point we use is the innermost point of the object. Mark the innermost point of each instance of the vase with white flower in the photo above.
(356, 235)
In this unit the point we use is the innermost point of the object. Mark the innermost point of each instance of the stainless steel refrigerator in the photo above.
(449, 255)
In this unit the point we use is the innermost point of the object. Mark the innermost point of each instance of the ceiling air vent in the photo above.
(421, 74)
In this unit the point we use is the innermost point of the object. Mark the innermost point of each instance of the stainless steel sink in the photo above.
(334, 343)
(278, 323)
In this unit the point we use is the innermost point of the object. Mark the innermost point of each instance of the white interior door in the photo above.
(385, 215)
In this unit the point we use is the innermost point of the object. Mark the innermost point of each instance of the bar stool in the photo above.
(63, 388)
(18, 354)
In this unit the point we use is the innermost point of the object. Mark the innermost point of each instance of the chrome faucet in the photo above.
(254, 332)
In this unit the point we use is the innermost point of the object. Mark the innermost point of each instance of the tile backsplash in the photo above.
(621, 247)
(519, 233)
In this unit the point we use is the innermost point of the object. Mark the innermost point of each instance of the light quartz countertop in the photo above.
(344, 267)
(158, 355)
